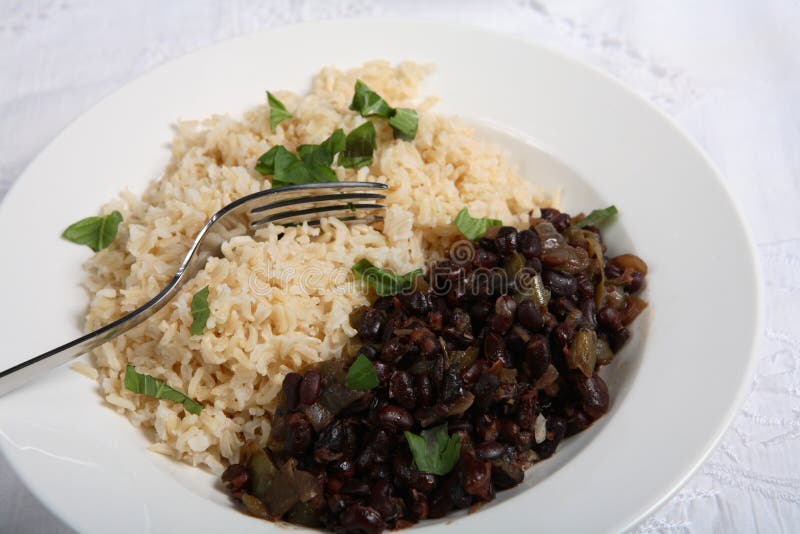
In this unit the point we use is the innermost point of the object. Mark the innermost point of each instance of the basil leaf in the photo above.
(200, 312)
(404, 124)
(266, 162)
(368, 103)
(152, 387)
(361, 375)
(597, 216)
(434, 452)
(384, 282)
(277, 111)
(471, 227)
(323, 153)
(312, 166)
(95, 232)
(359, 146)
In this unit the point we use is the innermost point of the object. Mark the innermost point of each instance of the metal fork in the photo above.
(350, 202)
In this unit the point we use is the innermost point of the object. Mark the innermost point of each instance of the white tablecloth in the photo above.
(727, 70)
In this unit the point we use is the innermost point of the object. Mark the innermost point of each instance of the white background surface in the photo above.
(728, 72)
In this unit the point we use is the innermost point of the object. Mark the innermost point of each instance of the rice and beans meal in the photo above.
(358, 377)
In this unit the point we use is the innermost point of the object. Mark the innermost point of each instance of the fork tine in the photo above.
(340, 197)
(298, 216)
(367, 219)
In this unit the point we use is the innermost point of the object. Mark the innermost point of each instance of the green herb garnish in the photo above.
(404, 124)
(359, 146)
(312, 165)
(471, 227)
(277, 111)
(200, 312)
(95, 232)
(434, 452)
(323, 153)
(596, 217)
(361, 375)
(368, 103)
(384, 282)
(153, 387)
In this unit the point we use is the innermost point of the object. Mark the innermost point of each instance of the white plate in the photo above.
(675, 388)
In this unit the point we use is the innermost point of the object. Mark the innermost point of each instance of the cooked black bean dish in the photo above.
(458, 381)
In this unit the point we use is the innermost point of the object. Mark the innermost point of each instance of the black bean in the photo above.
(588, 310)
(418, 303)
(299, 433)
(529, 244)
(355, 487)
(418, 505)
(461, 425)
(440, 504)
(392, 350)
(310, 387)
(484, 391)
(526, 411)
(455, 489)
(562, 221)
(577, 423)
(424, 389)
(611, 270)
(537, 356)
(529, 316)
(506, 475)
(485, 259)
(609, 318)
(504, 309)
(479, 311)
(337, 440)
(452, 386)
(509, 431)
(516, 339)
(235, 478)
(371, 322)
(585, 286)
(382, 370)
(594, 395)
(337, 503)
(635, 283)
(342, 469)
(395, 418)
(401, 389)
(380, 500)
(379, 471)
(364, 519)
(560, 283)
(477, 476)
(506, 240)
(424, 482)
(549, 214)
(494, 348)
(556, 430)
(489, 450)
(291, 389)
(618, 339)
(472, 373)
(486, 243)
(563, 335)
(368, 351)
(403, 470)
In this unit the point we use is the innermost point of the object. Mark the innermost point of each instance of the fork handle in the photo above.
(21, 374)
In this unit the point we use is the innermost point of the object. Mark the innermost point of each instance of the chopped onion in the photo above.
(582, 355)
(632, 261)
(603, 352)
